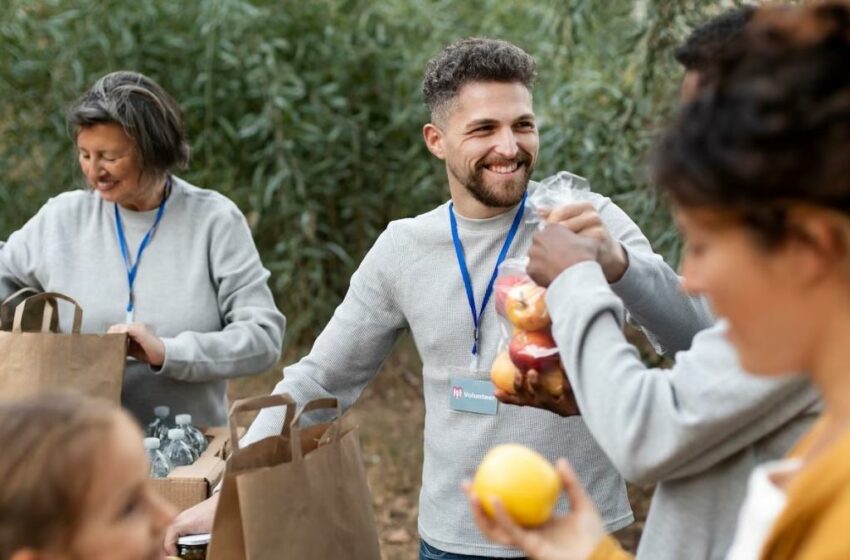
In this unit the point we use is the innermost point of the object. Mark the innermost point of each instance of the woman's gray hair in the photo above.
(146, 112)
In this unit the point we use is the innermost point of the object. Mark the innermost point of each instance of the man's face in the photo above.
(489, 141)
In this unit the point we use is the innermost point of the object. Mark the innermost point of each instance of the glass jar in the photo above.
(193, 547)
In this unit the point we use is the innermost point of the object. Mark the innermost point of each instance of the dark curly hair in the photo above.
(774, 126)
(705, 43)
(473, 60)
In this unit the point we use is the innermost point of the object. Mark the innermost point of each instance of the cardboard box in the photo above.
(187, 486)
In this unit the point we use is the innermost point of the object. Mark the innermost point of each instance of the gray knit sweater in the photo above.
(410, 280)
(200, 286)
(696, 430)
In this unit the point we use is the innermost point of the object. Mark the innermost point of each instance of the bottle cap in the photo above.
(151, 443)
(176, 433)
(183, 419)
(194, 540)
(162, 412)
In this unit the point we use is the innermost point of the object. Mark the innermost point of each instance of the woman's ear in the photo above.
(821, 239)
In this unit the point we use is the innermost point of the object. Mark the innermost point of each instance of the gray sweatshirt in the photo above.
(696, 430)
(200, 286)
(410, 280)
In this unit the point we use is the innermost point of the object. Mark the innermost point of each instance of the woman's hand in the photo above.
(564, 250)
(573, 536)
(142, 343)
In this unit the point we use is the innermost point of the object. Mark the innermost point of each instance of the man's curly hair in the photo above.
(473, 60)
(773, 128)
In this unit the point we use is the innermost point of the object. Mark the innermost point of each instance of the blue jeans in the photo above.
(428, 552)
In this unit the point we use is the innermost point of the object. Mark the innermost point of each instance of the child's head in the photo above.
(74, 483)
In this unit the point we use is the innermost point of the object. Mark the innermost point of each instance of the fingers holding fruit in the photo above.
(549, 390)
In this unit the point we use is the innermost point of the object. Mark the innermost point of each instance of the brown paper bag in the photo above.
(302, 494)
(35, 362)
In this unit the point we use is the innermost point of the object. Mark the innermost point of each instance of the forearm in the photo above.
(241, 348)
(659, 424)
(652, 294)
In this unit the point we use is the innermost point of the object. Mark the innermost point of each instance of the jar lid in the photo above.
(194, 540)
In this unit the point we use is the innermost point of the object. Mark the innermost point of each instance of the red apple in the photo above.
(533, 350)
(503, 372)
(526, 308)
(501, 287)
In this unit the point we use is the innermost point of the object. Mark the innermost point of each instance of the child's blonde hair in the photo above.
(49, 446)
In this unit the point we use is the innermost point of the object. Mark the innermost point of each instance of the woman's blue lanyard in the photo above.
(133, 267)
(464, 271)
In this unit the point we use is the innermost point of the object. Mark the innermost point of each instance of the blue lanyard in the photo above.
(464, 271)
(133, 267)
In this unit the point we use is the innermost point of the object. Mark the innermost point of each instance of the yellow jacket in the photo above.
(815, 524)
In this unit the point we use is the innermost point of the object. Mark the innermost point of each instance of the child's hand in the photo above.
(572, 537)
(194, 521)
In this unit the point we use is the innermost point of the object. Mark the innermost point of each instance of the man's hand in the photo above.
(555, 249)
(583, 219)
(194, 521)
(573, 536)
(529, 391)
(143, 344)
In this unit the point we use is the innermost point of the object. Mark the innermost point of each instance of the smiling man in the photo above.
(432, 275)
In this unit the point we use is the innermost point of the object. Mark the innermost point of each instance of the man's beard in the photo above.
(504, 193)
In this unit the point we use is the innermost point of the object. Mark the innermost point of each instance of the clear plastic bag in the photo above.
(526, 331)
(555, 191)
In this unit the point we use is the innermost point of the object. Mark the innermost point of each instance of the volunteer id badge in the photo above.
(472, 395)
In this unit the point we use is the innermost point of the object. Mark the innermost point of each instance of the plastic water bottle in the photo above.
(159, 427)
(193, 434)
(160, 466)
(178, 450)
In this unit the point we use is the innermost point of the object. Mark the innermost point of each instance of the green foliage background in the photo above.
(308, 113)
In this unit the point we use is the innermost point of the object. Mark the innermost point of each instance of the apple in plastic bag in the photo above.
(503, 372)
(525, 307)
(502, 286)
(533, 350)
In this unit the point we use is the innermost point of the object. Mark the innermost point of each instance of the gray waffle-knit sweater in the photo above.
(410, 280)
(200, 286)
(696, 430)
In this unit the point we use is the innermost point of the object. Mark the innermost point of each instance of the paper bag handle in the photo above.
(4, 306)
(259, 403)
(48, 311)
(317, 404)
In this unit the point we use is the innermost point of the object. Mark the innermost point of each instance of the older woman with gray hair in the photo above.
(145, 252)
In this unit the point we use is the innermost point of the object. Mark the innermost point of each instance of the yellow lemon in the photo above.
(522, 479)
